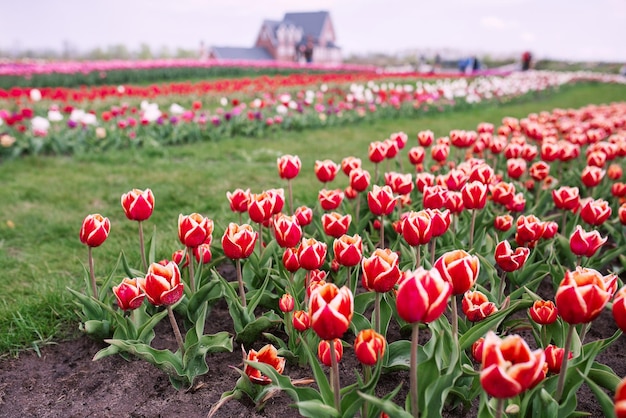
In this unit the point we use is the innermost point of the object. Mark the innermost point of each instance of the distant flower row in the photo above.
(62, 126)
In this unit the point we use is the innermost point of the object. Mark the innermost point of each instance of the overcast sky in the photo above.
(563, 29)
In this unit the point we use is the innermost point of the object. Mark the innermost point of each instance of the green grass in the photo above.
(44, 200)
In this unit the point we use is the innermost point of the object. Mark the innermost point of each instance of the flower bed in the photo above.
(515, 232)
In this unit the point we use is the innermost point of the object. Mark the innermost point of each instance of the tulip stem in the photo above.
(583, 332)
(177, 334)
(564, 223)
(350, 282)
(561, 382)
(192, 274)
(335, 375)
(382, 231)
(367, 376)
(242, 290)
(92, 275)
(472, 225)
(413, 365)
(455, 321)
(502, 286)
(142, 247)
(260, 239)
(418, 256)
(432, 251)
(377, 312)
(290, 191)
(499, 408)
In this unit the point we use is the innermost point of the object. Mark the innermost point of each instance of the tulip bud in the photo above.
(287, 231)
(331, 310)
(304, 215)
(509, 260)
(326, 170)
(348, 250)
(286, 303)
(566, 198)
(177, 257)
(311, 253)
(503, 193)
(543, 312)
(422, 296)
(301, 320)
(621, 212)
(620, 399)
(425, 138)
(330, 199)
(381, 200)
(591, 176)
(288, 166)
(137, 204)
(554, 358)
(417, 228)
(95, 230)
(335, 224)
(202, 253)
(261, 207)
(380, 271)
(377, 151)
(619, 309)
(595, 212)
(238, 241)
(350, 163)
(323, 351)
(267, 355)
(503, 222)
(194, 229)
(128, 294)
(459, 268)
(238, 200)
(369, 347)
(477, 350)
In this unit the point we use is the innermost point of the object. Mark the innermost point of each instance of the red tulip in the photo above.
(137, 204)
(582, 295)
(434, 197)
(162, 284)
(585, 243)
(326, 170)
(288, 166)
(301, 320)
(621, 212)
(238, 200)
(348, 250)
(238, 241)
(377, 151)
(94, 230)
(440, 152)
(381, 200)
(503, 222)
(529, 230)
(566, 198)
(311, 253)
(423, 180)
(440, 221)
(509, 260)
(323, 351)
(267, 355)
(359, 179)
(399, 183)
(316, 278)
(335, 224)
(290, 260)
(454, 202)
(304, 215)
(550, 228)
(595, 212)
(554, 358)
(331, 310)
(422, 296)
(380, 271)
(618, 189)
(614, 172)
(477, 350)
(194, 229)
(591, 176)
(539, 171)
(482, 173)
(350, 193)
(476, 306)
(509, 367)
(330, 199)
(287, 231)
(417, 228)
(474, 195)
(543, 312)
(350, 163)
(286, 303)
(177, 257)
(516, 167)
(261, 206)
(503, 193)
(619, 308)
(369, 347)
(620, 399)
(128, 294)
(416, 155)
(202, 253)
(278, 198)
(459, 268)
(456, 179)
(425, 138)
(391, 148)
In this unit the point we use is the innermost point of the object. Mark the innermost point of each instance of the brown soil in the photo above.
(65, 381)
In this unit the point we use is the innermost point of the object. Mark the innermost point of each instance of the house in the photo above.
(295, 38)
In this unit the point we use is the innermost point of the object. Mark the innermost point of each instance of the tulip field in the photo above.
(336, 244)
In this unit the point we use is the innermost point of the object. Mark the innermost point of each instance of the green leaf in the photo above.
(362, 301)
(130, 272)
(399, 356)
(359, 322)
(153, 245)
(253, 330)
(606, 403)
(165, 360)
(386, 405)
(316, 408)
(207, 292)
(604, 376)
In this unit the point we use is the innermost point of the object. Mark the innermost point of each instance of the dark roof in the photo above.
(237, 53)
(310, 22)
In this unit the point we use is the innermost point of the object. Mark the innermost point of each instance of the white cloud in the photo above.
(493, 22)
